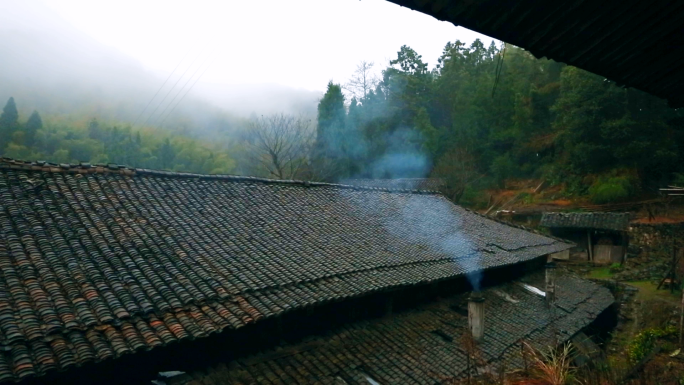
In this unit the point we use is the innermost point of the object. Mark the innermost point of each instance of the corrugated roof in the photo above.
(425, 345)
(599, 221)
(100, 261)
(635, 43)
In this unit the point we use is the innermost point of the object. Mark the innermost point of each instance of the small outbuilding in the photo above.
(599, 237)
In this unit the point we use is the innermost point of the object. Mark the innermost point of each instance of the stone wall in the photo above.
(649, 255)
(624, 297)
(651, 236)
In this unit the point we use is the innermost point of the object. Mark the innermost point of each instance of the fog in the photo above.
(107, 59)
(202, 68)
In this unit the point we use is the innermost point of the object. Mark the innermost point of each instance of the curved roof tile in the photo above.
(101, 261)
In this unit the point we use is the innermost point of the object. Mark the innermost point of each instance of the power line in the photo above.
(182, 88)
(499, 67)
(160, 88)
(186, 93)
(172, 87)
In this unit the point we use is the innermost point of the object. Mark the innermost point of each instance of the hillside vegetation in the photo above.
(484, 115)
(481, 116)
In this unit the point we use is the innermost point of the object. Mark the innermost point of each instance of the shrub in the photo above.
(504, 167)
(644, 342)
(615, 267)
(474, 198)
(611, 189)
(678, 179)
(526, 198)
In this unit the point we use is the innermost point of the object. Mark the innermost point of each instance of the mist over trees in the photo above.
(477, 121)
(9, 120)
(72, 99)
(99, 143)
(51, 67)
(281, 144)
(473, 119)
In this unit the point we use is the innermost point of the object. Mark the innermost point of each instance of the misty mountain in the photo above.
(50, 66)
(247, 99)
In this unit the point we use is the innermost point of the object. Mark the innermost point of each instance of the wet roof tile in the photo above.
(411, 347)
(598, 221)
(104, 261)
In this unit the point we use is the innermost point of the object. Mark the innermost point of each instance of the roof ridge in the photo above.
(100, 168)
(113, 168)
(614, 221)
(521, 227)
(584, 213)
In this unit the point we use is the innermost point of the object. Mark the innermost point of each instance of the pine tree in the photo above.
(33, 124)
(8, 122)
(166, 154)
(355, 143)
(331, 122)
(331, 141)
(95, 131)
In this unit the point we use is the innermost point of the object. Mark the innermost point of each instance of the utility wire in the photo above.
(182, 88)
(186, 93)
(497, 70)
(169, 93)
(499, 67)
(160, 88)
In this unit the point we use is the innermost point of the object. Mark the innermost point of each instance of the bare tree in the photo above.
(458, 169)
(323, 169)
(362, 81)
(281, 144)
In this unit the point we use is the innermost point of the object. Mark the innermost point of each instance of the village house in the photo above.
(110, 274)
(599, 237)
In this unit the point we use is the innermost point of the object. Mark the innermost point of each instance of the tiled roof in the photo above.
(599, 221)
(429, 184)
(101, 261)
(424, 345)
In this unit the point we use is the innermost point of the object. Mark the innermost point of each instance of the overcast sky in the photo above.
(297, 43)
(256, 56)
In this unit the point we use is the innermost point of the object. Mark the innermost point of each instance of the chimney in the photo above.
(476, 315)
(550, 282)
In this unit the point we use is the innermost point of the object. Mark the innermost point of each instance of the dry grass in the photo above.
(550, 367)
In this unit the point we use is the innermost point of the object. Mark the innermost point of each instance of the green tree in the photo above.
(94, 130)
(33, 124)
(9, 122)
(603, 128)
(167, 154)
(407, 83)
(331, 141)
(331, 119)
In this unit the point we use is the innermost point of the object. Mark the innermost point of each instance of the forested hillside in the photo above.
(99, 104)
(96, 142)
(481, 116)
